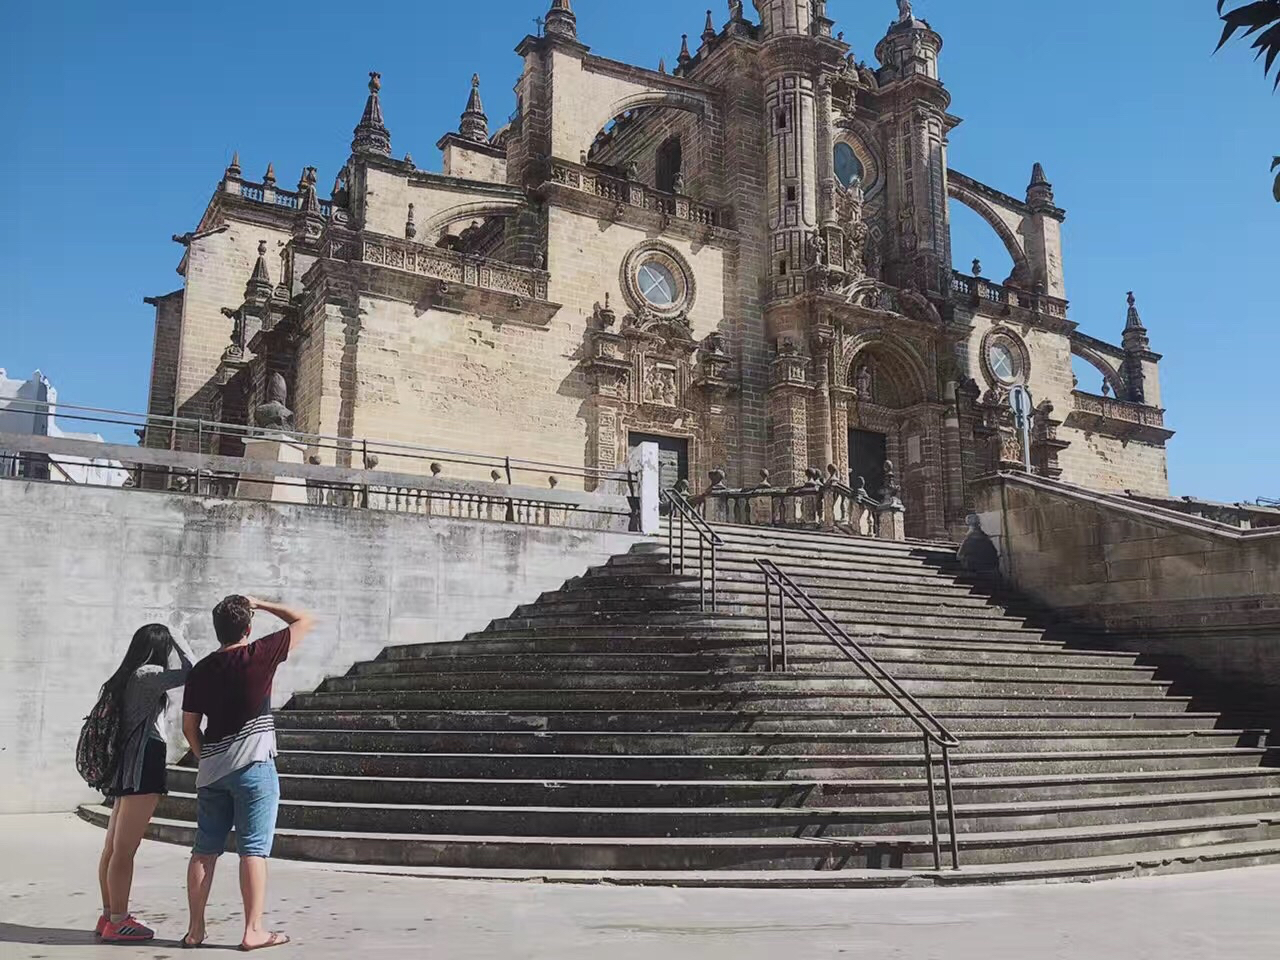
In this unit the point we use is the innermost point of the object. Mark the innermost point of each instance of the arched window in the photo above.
(669, 160)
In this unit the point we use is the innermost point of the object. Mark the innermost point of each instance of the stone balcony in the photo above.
(270, 195)
(456, 281)
(984, 294)
(1119, 418)
(619, 198)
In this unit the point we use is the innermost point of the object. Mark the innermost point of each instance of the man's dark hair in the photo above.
(231, 619)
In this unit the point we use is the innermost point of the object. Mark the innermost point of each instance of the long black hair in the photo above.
(150, 645)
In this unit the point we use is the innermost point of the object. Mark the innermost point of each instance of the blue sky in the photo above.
(119, 119)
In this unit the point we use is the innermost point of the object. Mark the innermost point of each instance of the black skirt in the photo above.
(155, 775)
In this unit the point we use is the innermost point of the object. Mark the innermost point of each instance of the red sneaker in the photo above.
(101, 927)
(128, 930)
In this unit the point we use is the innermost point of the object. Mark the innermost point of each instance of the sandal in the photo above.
(275, 940)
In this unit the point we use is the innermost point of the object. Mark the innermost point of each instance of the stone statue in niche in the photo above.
(864, 382)
(855, 248)
(815, 249)
(274, 415)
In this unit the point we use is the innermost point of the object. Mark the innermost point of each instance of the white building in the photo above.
(23, 411)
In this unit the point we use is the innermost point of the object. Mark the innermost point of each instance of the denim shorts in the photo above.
(247, 800)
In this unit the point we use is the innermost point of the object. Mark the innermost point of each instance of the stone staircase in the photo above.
(614, 731)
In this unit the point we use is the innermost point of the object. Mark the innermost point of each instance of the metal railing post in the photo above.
(782, 615)
(715, 585)
(768, 617)
(951, 807)
(702, 573)
(933, 803)
(671, 543)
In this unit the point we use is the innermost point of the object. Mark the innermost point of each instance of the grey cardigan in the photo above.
(144, 702)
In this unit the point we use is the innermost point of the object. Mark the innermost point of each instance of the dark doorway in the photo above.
(673, 457)
(867, 454)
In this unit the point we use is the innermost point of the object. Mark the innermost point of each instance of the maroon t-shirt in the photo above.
(231, 689)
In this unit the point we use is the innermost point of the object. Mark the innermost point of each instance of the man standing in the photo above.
(237, 783)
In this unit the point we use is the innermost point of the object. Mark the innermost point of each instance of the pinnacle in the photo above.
(561, 20)
(233, 168)
(475, 124)
(371, 133)
(1038, 178)
(709, 31)
(685, 56)
(270, 176)
(1133, 320)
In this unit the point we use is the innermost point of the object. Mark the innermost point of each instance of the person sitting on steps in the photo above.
(237, 784)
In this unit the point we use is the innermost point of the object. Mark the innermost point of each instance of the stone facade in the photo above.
(747, 257)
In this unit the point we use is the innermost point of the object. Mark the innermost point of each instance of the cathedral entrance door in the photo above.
(673, 457)
(867, 454)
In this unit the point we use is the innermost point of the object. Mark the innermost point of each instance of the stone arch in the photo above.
(676, 99)
(1110, 373)
(1022, 272)
(904, 379)
(473, 210)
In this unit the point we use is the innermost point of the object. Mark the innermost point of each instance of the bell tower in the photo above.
(797, 50)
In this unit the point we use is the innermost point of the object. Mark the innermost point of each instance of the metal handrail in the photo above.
(683, 511)
(930, 727)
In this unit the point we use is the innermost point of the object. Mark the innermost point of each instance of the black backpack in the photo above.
(98, 749)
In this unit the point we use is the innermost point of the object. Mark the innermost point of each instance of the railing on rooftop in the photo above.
(260, 192)
(632, 193)
(980, 290)
(1110, 408)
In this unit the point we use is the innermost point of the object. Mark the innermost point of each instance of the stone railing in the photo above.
(821, 503)
(1109, 408)
(274, 196)
(632, 193)
(348, 488)
(447, 266)
(980, 290)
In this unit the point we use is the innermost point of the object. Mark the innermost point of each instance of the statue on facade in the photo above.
(905, 13)
(864, 381)
(274, 415)
(735, 10)
(815, 249)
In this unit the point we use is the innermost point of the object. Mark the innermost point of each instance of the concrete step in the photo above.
(775, 699)
(598, 639)
(795, 766)
(1006, 668)
(766, 861)
(741, 743)
(788, 822)
(914, 679)
(752, 604)
(871, 625)
(714, 720)
(748, 793)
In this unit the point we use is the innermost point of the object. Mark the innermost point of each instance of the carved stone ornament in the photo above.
(274, 414)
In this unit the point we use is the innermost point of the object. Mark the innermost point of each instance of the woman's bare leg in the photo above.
(104, 861)
(130, 818)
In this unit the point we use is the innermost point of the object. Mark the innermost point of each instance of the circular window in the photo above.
(657, 283)
(656, 279)
(848, 166)
(1005, 359)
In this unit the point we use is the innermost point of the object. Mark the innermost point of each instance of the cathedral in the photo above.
(743, 256)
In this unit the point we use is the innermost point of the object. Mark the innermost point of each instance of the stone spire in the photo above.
(233, 168)
(1137, 346)
(561, 20)
(269, 178)
(475, 125)
(1133, 321)
(685, 57)
(259, 287)
(1040, 190)
(709, 31)
(371, 134)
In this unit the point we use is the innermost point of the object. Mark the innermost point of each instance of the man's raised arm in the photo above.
(300, 622)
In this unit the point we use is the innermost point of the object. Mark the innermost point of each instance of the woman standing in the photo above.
(139, 686)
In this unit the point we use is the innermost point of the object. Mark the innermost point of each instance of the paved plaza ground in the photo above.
(48, 899)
